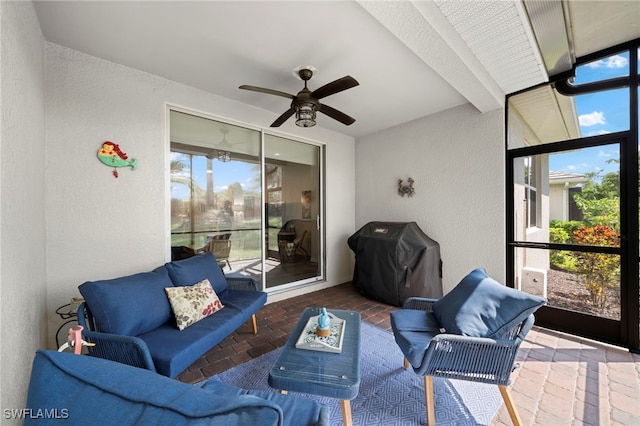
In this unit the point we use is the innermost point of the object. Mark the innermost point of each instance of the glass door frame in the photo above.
(626, 331)
(320, 219)
(604, 329)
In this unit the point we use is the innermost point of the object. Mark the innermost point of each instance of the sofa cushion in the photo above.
(245, 301)
(91, 390)
(190, 304)
(129, 305)
(481, 307)
(173, 351)
(195, 269)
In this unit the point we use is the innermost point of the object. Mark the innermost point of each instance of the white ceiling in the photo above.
(412, 58)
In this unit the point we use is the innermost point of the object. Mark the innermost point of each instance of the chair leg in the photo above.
(511, 407)
(254, 324)
(429, 400)
(406, 363)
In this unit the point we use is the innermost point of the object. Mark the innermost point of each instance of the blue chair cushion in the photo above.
(297, 411)
(481, 307)
(195, 269)
(413, 331)
(129, 305)
(88, 390)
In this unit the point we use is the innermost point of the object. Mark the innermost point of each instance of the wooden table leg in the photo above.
(254, 324)
(346, 412)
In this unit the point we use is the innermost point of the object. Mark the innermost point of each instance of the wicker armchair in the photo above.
(495, 320)
(220, 246)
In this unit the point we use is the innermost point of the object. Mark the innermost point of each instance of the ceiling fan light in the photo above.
(224, 156)
(306, 114)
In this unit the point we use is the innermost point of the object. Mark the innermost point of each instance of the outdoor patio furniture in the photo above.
(473, 333)
(220, 246)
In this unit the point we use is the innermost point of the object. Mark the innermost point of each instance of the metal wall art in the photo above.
(406, 189)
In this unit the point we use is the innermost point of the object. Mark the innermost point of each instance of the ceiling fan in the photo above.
(306, 103)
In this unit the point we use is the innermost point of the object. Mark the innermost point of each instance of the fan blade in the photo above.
(268, 91)
(284, 117)
(336, 115)
(336, 86)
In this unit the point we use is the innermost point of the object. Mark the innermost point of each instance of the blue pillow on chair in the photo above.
(481, 307)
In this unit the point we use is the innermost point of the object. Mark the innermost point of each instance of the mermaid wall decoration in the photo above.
(111, 155)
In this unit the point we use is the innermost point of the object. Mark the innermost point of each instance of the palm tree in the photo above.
(181, 177)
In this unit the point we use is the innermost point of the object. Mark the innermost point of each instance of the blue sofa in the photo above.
(130, 318)
(79, 390)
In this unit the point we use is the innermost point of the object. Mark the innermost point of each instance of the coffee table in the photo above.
(335, 375)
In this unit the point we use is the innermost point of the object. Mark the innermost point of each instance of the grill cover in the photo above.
(395, 261)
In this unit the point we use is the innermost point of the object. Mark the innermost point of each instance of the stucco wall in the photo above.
(457, 161)
(100, 227)
(22, 216)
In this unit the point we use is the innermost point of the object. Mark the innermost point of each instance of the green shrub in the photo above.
(560, 259)
(567, 226)
(601, 271)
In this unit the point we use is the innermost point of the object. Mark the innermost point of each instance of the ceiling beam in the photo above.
(423, 28)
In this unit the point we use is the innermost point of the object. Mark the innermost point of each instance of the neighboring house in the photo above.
(562, 186)
(553, 201)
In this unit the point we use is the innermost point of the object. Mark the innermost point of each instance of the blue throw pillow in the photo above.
(195, 269)
(481, 307)
(130, 305)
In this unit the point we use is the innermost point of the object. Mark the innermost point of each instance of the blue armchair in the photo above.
(473, 333)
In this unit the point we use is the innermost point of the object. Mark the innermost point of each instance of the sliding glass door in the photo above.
(216, 191)
(293, 210)
(252, 199)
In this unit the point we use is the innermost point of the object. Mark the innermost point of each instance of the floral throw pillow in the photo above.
(190, 304)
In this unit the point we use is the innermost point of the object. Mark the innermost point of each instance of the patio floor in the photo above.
(562, 379)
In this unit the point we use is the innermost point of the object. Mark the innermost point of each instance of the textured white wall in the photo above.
(100, 227)
(22, 217)
(457, 161)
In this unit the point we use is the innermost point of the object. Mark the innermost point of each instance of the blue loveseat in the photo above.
(130, 319)
(79, 390)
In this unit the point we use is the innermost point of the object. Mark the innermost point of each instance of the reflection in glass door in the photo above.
(215, 192)
(293, 208)
(260, 215)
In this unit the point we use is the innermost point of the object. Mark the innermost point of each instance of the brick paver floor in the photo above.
(562, 379)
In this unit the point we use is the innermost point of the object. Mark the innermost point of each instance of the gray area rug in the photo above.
(389, 394)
